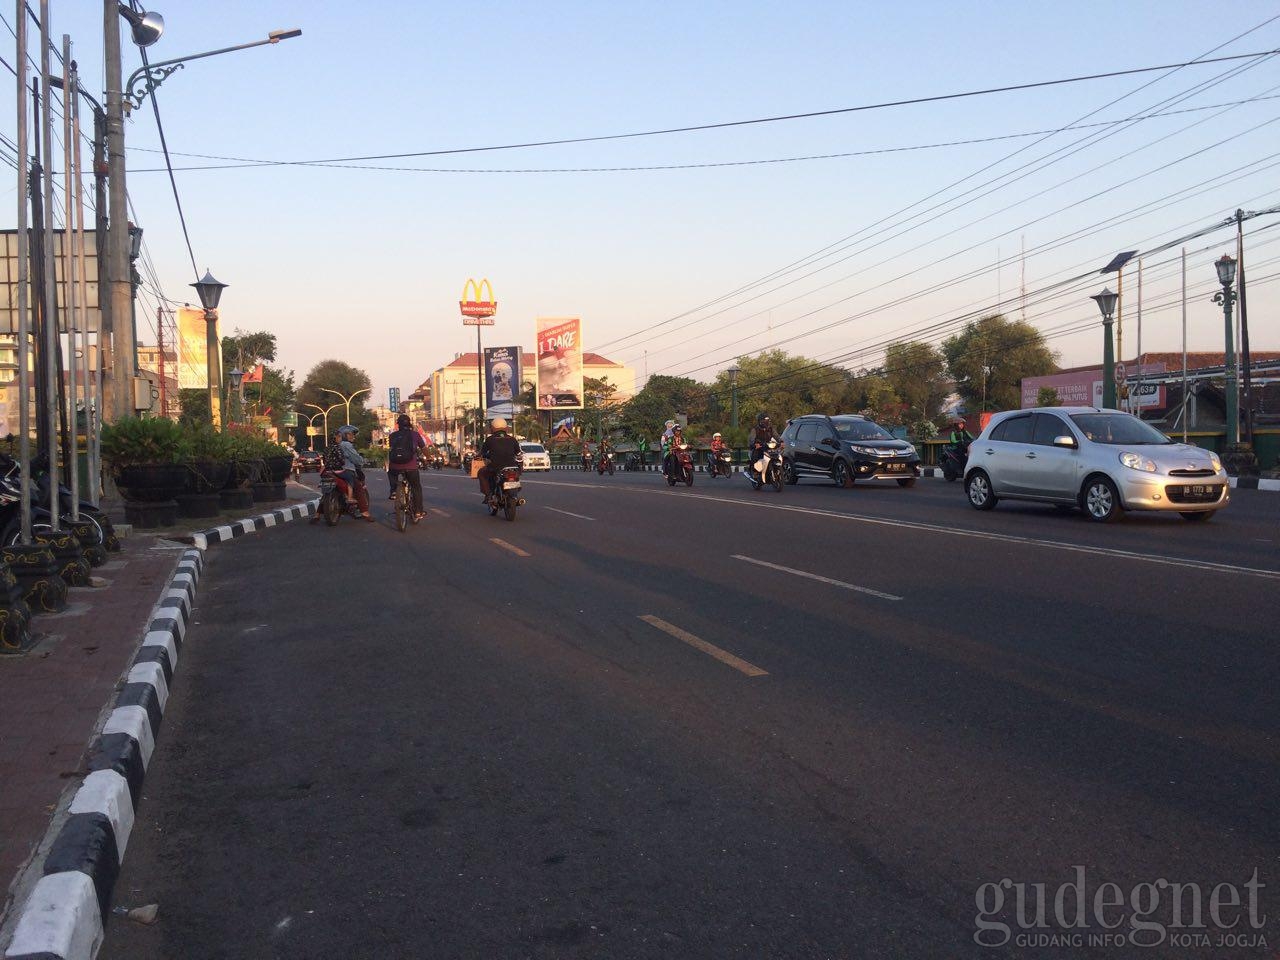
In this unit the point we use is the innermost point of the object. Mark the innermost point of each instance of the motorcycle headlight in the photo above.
(1136, 461)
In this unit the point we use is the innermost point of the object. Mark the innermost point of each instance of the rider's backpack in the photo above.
(402, 447)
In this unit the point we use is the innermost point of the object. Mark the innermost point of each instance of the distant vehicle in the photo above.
(535, 456)
(1102, 461)
(306, 461)
(846, 448)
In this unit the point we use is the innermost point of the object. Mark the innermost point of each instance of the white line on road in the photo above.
(439, 512)
(508, 546)
(724, 656)
(961, 532)
(568, 513)
(814, 576)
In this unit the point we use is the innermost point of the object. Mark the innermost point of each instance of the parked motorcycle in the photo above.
(337, 498)
(719, 465)
(506, 493)
(605, 464)
(680, 467)
(41, 521)
(768, 469)
(953, 461)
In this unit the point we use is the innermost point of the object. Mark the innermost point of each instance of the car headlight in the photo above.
(865, 451)
(1217, 463)
(1136, 461)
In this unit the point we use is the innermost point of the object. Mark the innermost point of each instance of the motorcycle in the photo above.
(680, 467)
(719, 465)
(632, 462)
(605, 464)
(437, 461)
(768, 469)
(506, 493)
(337, 498)
(586, 462)
(953, 461)
(41, 521)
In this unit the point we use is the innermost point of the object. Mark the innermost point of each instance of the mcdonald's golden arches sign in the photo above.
(477, 303)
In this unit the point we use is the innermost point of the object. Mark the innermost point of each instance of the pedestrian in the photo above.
(644, 449)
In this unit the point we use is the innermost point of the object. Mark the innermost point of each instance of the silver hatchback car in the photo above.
(1102, 461)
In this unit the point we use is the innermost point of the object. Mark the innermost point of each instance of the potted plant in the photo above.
(147, 457)
(210, 460)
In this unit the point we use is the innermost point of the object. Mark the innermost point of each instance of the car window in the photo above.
(1047, 427)
(1118, 428)
(806, 435)
(1014, 430)
(532, 448)
(852, 429)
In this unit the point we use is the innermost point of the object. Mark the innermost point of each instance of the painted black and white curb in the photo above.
(207, 538)
(64, 915)
(1254, 483)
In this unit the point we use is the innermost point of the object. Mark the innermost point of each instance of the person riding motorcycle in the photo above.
(718, 445)
(960, 435)
(353, 469)
(761, 434)
(406, 442)
(499, 450)
(669, 445)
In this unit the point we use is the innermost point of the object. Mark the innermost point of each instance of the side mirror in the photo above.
(830, 442)
(1065, 441)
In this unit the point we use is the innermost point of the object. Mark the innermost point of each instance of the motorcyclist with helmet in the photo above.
(669, 449)
(352, 470)
(960, 435)
(499, 450)
(760, 436)
(718, 446)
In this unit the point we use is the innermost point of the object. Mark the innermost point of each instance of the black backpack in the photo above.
(402, 447)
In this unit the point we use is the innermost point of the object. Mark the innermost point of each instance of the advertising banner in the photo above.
(193, 349)
(501, 380)
(1084, 388)
(559, 349)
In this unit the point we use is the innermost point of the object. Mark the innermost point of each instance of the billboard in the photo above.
(477, 303)
(9, 280)
(501, 379)
(1084, 388)
(193, 349)
(559, 349)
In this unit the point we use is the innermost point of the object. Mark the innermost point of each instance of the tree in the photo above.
(336, 375)
(194, 407)
(782, 386)
(247, 350)
(990, 357)
(661, 399)
(1048, 397)
(917, 373)
(597, 399)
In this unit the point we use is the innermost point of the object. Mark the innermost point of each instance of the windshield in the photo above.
(1115, 428)
(860, 430)
(532, 448)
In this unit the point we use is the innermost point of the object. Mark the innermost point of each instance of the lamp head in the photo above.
(1106, 301)
(1226, 267)
(236, 376)
(146, 26)
(210, 291)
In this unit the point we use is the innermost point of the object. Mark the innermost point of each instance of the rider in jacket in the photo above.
(499, 450)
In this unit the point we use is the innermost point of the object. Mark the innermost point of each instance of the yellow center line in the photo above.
(508, 546)
(724, 656)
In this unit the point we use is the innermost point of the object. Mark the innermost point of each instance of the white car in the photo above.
(535, 456)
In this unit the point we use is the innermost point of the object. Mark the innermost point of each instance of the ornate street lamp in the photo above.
(733, 392)
(210, 291)
(1106, 301)
(1226, 267)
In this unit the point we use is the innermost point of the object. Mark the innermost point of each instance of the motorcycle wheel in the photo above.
(611, 469)
(777, 479)
(688, 478)
(330, 509)
(509, 510)
(671, 481)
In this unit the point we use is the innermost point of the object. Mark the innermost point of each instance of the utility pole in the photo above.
(24, 282)
(119, 288)
(1244, 331)
(50, 345)
(70, 272)
(92, 403)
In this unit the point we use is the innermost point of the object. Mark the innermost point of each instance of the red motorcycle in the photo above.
(605, 464)
(680, 466)
(337, 498)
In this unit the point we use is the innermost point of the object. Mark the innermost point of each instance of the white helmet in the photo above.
(499, 423)
(715, 436)
(669, 424)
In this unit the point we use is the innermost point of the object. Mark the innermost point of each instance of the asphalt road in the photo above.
(709, 722)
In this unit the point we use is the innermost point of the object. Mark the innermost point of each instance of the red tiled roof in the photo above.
(1173, 361)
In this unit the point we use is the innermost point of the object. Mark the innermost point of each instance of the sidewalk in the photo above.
(52, 698)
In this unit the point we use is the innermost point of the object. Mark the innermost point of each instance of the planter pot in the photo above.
(236, 498)
(269, 492)
(240, 473)
(279, 468)
(207, 476)
(152, 482)
(147, 515)
(198, 506)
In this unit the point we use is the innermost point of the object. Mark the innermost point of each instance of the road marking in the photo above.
(814, 576)
(508, 546)
(962, 532)
(438, 512)
(427, 486)
(569, 513)
(724, 656)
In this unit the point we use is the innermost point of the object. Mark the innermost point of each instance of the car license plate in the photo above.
(511, 485)
(895, 466)
(1196, 489)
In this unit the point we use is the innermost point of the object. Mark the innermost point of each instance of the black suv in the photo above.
(845, 448)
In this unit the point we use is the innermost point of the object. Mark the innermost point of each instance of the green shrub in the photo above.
(207, 444)
(375, 455)
(138, 440)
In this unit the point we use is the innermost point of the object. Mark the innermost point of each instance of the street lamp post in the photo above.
(1226, 267)
(324, 412)
(1106, 301)
(733, 393)
(210, 291)
(236, 376)
(311, 419)
(346, 398)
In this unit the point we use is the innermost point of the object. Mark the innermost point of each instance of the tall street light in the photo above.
(1226, 267)
(236, 376)
(146, 28)
(311, 419)
(210, 291)
(346, 398)
(324, 412)
(733, 393)
(1106, 301)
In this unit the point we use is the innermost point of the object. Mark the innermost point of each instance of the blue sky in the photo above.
(368, 264)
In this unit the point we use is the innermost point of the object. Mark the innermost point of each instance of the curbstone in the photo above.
(64, 916)
(207, 538)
